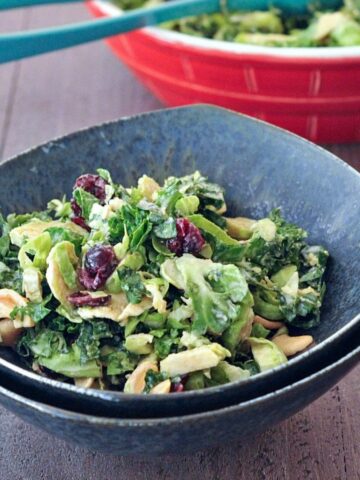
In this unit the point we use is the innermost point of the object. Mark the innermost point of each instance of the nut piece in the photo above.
(85, 382)
(148, 187)
(163, 387)
(268, 323)
(240, 227)
(9, 299)
(136, 381)
(292, 345)
(8, 333)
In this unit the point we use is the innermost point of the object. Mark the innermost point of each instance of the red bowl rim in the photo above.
(210, 46)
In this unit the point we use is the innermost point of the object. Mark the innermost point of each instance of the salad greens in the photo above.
(153, 289)
(271, 28)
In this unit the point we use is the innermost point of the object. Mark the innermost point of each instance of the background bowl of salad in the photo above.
(261, 168)
(307, 81)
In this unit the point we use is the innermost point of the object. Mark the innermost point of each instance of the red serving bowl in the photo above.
(314, 92)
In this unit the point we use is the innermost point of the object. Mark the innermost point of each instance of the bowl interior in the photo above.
(206, 44)
(260, 166)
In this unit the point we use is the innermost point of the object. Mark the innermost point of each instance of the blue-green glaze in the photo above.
(187, 434)
(261, 167)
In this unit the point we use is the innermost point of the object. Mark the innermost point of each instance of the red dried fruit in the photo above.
(84, 299)
(188, 239)
(100, 262)
(81, 222)
(93, 184)
(177, 387)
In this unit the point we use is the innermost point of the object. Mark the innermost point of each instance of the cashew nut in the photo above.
(240, 227)
(136, 381)
(148, 187)
(8, 333)
(163, 387)
(85, 382)
(9, 299)
(268, 323)
(292, 345)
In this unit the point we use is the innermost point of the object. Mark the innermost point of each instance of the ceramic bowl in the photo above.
(181, 434)
(261, 167)
(314, 92)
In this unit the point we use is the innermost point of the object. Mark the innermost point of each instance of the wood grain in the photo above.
(9, 74)
(64, 91)
(57, 93)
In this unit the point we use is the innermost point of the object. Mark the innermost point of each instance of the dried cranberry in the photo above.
(188, 239)
(75, 208)
(175, 245)
(93, 184)
(83, 299)
(100, 262)
(178, 384)
(81, 222)
(177, 387)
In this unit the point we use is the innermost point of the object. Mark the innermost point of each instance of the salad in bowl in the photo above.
(272, 28)
(154, 289)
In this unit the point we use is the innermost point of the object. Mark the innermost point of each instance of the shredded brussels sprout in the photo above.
(270, 28)
(152, 289)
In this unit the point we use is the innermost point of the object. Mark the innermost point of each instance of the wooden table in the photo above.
(55, 94)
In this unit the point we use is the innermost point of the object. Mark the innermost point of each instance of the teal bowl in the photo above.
(181, 434)
(261, 167)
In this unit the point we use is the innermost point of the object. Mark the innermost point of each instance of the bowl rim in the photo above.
(210, 46)
(163, 421)
(110, 395)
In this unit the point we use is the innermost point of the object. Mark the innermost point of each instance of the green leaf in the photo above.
(59, 234)
(134, 222)
(41, 343)
(259, 331)
(131, 284)
(214, 218)
(39, 248)
(166, 343)
(284, 249)
(15, 220)
(166, 229)
(225, 248)
(69, 364)
(11, 277)
(85, 201)
(61, 208)
(63, 260)
(91, 334)
(208, 227)
(187, 205)
(266, 353)
(139, 235)
(168, 196)
(119, 362)
(105, 174)
(4, 238)
(216, 291)
(209, 194)
(152, 379)
(36, 311)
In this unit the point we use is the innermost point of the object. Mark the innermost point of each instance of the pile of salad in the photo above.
(153, 289)
(271, 28)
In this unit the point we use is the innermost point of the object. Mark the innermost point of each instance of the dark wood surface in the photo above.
(58, 93)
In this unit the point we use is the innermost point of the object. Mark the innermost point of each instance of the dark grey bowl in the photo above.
(181, 434)
(262, 167)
